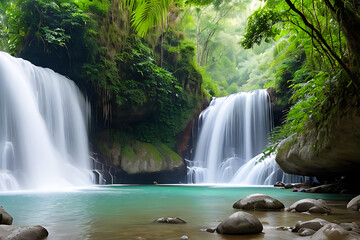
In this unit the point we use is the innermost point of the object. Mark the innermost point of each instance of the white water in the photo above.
(255, 172)
(233, 130)
(43, 135)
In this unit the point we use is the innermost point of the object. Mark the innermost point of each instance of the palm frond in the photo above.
(147, 14)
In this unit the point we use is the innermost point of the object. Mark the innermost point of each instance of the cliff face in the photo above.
(329, 151)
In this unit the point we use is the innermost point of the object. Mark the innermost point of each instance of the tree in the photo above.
(329, 26)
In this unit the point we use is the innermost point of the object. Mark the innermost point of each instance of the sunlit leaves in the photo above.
(148, 14)
(261, 27)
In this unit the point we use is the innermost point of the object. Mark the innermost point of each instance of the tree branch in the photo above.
(320, 37)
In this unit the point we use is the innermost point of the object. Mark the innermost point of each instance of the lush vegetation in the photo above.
(319, 74)
(148, 65)
(92, 42)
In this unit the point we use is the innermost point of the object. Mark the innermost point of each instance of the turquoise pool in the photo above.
(128, 212)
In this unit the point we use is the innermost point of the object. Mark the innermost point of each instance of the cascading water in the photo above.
(43, 137)
(233, 132)
(233, 129)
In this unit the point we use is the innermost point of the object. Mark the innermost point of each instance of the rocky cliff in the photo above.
(332, 150)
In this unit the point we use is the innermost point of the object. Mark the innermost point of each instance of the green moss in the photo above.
(173, 156)
(152, 152)
(127, 152)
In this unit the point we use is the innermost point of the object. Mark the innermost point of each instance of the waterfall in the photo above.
(43, 128)
(233, 132)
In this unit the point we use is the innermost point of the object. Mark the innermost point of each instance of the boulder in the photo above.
(5, 217)
(306, 232)
(333, 231)
(279, 184)
(310, 205)
(329, 151)
(240, 223)
(8, 232)
(350, 227)
(354, 204)
(314, 224)
(258, 201)
(136, 157)
(170, 220)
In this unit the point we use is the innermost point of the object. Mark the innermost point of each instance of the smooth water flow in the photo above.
(43, 135)
(233, 130)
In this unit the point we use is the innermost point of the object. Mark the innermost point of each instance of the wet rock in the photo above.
(258, 202)
(240, 223)
(299, 190)
(283, 228)
(354, 204)
(306, 232)
(314, 224)
(310, 205)
(289, 186)
(326, 188)
(5, 217)
(333, 231)
(170, 220)
(350, 227)
(279, 184)
(8, 232)
(210, 230)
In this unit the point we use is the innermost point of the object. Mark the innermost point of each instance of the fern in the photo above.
(147, 14)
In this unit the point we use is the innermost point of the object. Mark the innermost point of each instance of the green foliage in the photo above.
(233, 88)
(309, 97)
(134, 82)
(260, 27)
(50, 32)
(220, 28)
(147, 14)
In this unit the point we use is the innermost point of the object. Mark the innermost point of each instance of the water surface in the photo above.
(128, 212)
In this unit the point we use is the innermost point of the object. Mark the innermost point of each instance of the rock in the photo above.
(184, 237)
(299, 190)
(310, 205)
(135, 157)
(283, 228)
(350, 227)
(288, 186)
(210, 230)
(333, 231)
(5, 217)
(314, 224)
(8, 232)
(354, 204)
(279, 184)
(170, 220)
(326, 188)
(306, 232)
(330, 151)
(258, 201)
(145, 157)
(240, 223)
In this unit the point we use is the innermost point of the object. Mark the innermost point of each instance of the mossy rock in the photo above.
(140, 157)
